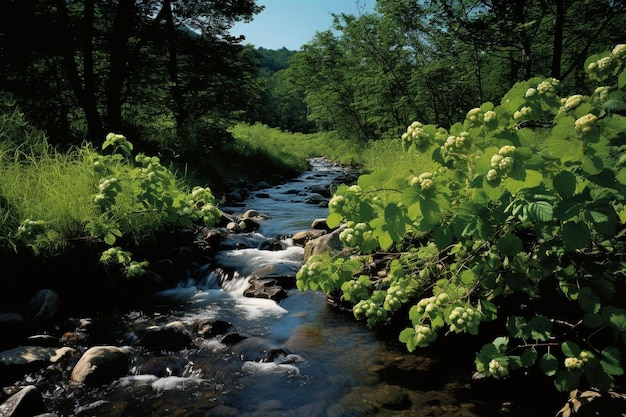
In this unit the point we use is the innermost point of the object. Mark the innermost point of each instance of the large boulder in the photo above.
(100, 365)
(27, 402)
(23, 359)
(328, 243)
(44, 306)
(173, 336)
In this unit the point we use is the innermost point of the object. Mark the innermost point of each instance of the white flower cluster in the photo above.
(424, 181)
(416, 135)
(571, 102)
(501, 163)
(457, 143)
(498, 368)
(476, 116)
(577, 363)
(609, 65)
(585, 123)
(461, 319)
(356, 233)
(424, 335)
(601, 94)
(432, 304)
(523, 114)
(31, 228)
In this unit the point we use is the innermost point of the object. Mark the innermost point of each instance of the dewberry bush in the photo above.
(516, 217)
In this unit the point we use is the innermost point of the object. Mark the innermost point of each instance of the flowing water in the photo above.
(338, 367)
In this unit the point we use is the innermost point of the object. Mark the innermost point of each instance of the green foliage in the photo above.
(515, 215)
(107, 198)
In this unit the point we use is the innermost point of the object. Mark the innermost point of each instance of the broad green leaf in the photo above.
(395, 222)
(431, 214)
(528, 357)
(489, 309)
(548, 364)
(468, 277)
(540, 328)
(599, 379)
(566, 380)
(334, 219)
(509, 245)
(615, 318)
(493, 189)
(530, 179)
(603, 218)
(612, 361)
(407, 336)
(443, 237)
(540, 211)
(588, 300)
(570, 349)
(501, 344)
(377, 179)
(593, 320)
(565, 183)
(576, 235)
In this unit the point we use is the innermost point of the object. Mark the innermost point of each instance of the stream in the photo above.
(332, 366)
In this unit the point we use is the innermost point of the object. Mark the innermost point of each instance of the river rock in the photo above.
(254, 215)
(320, 224)
(25, 403)
(208, 328)
(169, 337)
(165, 366)
(267, 288)
(328, 243)
(44, 306)
(24, 359)
(301, 238)
(100, 365)
(260, 349)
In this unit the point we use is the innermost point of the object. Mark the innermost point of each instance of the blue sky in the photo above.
(292, 23)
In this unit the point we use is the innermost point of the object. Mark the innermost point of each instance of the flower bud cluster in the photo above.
(459, 143)
(525, 113)
(355, 234)
(374, 312)
(545, 88)
(416, 135)
(601, 94)
(432, 305)
(464, 319)
(609, 65)
(424, 335)
(573, 363)
(577, 363)
(570, 103)
(31, 228)
(585, 123)
(498, 368)
(397, 294)
(357, 289)
(501, 163)
(424, 181)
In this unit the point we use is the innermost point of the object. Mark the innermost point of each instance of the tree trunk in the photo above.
(172, 67)
(524, 41)
(557, 48)
(118, 63)
(85, 93)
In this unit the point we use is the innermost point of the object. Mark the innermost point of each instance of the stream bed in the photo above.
(324, 362)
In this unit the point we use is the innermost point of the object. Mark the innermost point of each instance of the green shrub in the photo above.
(514, 216)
